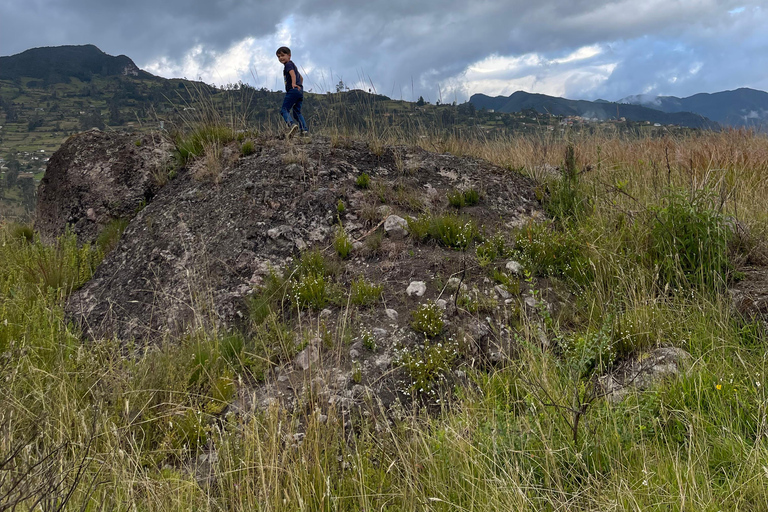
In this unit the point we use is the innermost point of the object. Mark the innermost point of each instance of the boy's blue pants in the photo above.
(292, 106)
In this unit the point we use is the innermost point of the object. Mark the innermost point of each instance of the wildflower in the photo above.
(719, 387)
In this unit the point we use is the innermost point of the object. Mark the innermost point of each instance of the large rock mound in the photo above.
(96, 177)
(196, 251)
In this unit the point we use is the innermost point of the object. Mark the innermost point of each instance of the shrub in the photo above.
(342, 243)
(110, 234)
(471, 197)
(364, 181)
(196, 142)
(364, 293)
(428, 366)
(266, 299)
(428, 320)
(458, 198)
(23, 232)
(491, 250)
(689, 241)
(247, 148)
(547, 251)
(448, 230)
(564, 199)
(311, 291)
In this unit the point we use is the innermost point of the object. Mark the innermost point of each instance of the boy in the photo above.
(294, 93)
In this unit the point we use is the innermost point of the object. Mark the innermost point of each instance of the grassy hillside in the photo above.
(642, 240)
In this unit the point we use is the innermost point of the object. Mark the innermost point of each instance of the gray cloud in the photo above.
(425, 42)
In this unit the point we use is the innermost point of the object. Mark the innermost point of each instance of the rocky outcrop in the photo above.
(96, 177)
(196, 251)
(750, 294)
(644, 371)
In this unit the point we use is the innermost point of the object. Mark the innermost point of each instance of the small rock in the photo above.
(277, 232)
(322, 418)
(354, 354)
(453, 283)
(391, 314)
(326, 313)
(307, 357)
(383, 361)
(515, 267)
(396, 227)
(91, 214)
(417, 288)
(530, 301)
(502, 292)
(379, 332)
(441, 303)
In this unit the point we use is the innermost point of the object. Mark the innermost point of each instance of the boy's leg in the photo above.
(288, 102)
(297, 113)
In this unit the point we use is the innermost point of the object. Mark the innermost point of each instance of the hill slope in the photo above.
(56, 64)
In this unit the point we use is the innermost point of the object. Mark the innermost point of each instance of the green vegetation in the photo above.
(461, 198)
(448, 230)
(364, 293)
(363, 181)
(428, 320)
(342, 243)
(642, 255)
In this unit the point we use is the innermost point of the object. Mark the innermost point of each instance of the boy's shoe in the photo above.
(304, 133)
(291, 131)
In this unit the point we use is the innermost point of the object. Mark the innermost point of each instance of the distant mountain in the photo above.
(56, 64)
(600, 109)
(742, 107)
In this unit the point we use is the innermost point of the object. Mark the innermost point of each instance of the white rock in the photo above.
(441, 303)
(417, 288)
(453, 283)
(391, 314)
(396, 227)
(502, 292)
(514, 266)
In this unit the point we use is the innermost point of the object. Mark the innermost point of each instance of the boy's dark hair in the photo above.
(283, 50)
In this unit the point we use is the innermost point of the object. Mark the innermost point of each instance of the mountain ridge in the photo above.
(602, 110)
(738, 107)
(56, 64)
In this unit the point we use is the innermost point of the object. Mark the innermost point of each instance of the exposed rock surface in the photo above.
(195, 252)
(750, 295)
(96, 177)
(644, 371)
(192, 255)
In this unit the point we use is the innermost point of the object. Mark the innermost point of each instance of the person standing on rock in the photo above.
(294, 94)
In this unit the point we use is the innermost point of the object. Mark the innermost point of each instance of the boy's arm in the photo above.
(293, 79)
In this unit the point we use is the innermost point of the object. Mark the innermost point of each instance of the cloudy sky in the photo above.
(580, 49)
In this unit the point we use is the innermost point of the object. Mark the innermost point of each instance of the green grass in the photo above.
(119, 424)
